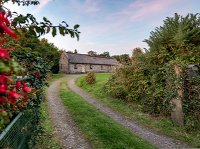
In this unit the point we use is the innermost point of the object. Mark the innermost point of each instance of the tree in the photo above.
(178, 38)
(105, 54)
(75, 51)
(136, 51)
(92, 53)
(123, 59)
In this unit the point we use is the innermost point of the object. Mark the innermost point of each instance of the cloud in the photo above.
(42, 4)
(141, 9)
(138, 10)
(87, 6)
(91, 6)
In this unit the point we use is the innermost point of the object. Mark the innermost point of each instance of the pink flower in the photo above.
(25, 88)
(12, 97)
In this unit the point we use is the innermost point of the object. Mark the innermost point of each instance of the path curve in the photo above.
(156, 139)
(65, 129)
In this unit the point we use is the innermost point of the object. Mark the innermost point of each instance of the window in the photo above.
(101, 67)
(109, 67)
(75, 66)
(90, 66)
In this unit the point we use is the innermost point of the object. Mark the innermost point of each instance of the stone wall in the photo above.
(83, 68)
(63, 64)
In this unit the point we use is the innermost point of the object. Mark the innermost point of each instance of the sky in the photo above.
(116, 26)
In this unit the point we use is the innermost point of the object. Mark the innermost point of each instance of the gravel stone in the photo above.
(156, 139)
(65, 129)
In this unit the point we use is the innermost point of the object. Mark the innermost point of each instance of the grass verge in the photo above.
(45, 138)
(101, 131)
(54, 77)
(134, 111)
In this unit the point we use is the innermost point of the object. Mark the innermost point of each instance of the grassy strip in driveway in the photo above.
(134, 111)
(101, 131)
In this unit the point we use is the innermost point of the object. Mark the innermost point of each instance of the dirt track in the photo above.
(65, 129)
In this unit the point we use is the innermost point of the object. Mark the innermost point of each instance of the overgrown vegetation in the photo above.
(134, 110)
(44, 136)
(150, 79)
(101, 131)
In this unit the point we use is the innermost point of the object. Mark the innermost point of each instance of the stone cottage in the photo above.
(82, 63)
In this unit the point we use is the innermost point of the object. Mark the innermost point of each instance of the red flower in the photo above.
(8, 30)
(3, 18)
(25, 88)
(3, 53)
(18, 84)
(13, 96)
(2, 78)
(3, 22)
(3, 88)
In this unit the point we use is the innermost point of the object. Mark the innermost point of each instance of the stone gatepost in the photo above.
(177, 114)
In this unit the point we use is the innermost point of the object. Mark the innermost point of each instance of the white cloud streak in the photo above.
(87, 6)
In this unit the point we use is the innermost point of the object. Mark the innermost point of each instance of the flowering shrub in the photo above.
(14, 92)
(90, 78)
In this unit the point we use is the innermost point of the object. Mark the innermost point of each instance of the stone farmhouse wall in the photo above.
(83, 68)
(67, 67)
(64, 64)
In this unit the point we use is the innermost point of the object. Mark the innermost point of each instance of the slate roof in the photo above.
(87, 59)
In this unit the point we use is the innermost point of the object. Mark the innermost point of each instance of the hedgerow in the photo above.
(151, 79)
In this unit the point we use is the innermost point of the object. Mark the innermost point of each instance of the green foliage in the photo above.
(35, 72)
(90, 78)
(22, 2)
(105, 54)
(123, 59)
(150, 79)
(40, 28)
(40, 47)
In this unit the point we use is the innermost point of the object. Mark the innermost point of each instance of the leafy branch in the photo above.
(30, 23)
(22, 2)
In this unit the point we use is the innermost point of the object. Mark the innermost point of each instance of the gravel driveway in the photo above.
(65, 129)
(158, 140)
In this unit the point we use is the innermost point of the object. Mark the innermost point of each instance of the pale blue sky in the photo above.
(116, 26)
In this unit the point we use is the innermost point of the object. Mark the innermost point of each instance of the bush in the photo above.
(150, 79)
(90, 78)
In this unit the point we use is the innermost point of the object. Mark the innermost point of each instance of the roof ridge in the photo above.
(90, 55)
